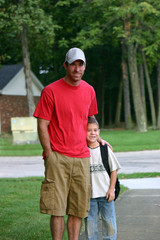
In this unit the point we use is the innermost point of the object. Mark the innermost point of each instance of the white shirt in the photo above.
(100, 179)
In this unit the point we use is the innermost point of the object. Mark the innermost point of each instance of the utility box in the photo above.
(24, 130)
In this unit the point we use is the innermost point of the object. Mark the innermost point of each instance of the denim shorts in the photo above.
(66, 188)
(108, 216)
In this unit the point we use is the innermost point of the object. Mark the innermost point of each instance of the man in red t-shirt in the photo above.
(62, 114)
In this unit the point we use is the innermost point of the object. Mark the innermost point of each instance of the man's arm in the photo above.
(103, 142)
(44, 136)
(111, 193)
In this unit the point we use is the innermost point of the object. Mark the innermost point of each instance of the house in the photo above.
(13, 100)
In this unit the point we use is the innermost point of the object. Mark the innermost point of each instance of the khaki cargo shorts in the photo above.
(66, 188)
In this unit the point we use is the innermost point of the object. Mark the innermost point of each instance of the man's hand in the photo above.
(47, 153)
(103, 142)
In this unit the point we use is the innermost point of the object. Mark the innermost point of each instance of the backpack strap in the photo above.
(104, 154)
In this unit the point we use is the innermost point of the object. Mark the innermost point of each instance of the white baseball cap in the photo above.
(75, 54)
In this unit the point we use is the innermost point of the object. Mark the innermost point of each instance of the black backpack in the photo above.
(104, 154)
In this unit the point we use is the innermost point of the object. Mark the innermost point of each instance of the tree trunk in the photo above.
(141, 80)
(158, 83)
(126, 92)
(153, 113)
(27, 71)
(138, 107)
(119, 105)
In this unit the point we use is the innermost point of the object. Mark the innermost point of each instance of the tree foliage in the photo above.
(25, 21)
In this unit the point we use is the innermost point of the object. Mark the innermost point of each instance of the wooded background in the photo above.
(121, 41)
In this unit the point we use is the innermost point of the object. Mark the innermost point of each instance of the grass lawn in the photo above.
(130, 140)
(138, 175)
(19, 203)
(19, 216)
(8, 149)
(121, 140)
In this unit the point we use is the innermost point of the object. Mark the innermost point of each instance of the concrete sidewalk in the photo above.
(13, 167)
(131, 162)
(141, 183)
(138, 216)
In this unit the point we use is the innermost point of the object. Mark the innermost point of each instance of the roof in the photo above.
(7, 72)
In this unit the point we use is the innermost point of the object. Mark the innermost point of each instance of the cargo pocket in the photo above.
(47, 195)
(89, 196)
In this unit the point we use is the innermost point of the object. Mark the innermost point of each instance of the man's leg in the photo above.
(57, 227)
(74, 226)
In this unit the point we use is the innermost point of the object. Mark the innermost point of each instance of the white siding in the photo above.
(17, 85)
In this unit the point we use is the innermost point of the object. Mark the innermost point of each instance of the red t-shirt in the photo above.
(67, 108)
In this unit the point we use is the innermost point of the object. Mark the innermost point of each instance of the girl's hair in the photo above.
(93, 120)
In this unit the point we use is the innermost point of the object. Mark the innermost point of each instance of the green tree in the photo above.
(27, 21)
